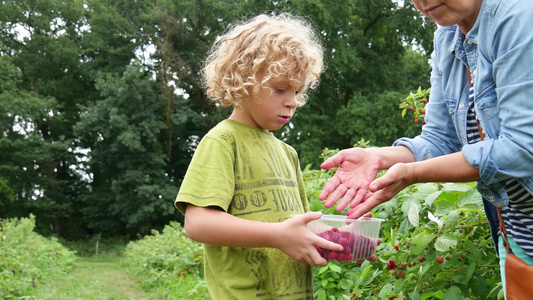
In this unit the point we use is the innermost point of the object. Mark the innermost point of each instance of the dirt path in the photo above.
(93, 279)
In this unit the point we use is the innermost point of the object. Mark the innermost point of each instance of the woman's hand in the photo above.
(384, 188)
(357, 168)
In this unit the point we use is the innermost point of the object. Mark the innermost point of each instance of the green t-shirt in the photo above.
(250, 174)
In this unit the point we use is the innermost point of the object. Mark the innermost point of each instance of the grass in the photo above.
(94, 278)
(99, 277)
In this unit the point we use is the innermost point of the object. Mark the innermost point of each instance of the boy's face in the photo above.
(273, 107)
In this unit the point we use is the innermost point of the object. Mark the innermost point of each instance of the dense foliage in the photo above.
(435, 244)
(26, 258)
(169, 264)
(101, 106)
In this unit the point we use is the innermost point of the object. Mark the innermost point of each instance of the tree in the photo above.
(26, 155)
(56, 53)
(102, 105)
(127, 162)
(367, 51)
(369, 59)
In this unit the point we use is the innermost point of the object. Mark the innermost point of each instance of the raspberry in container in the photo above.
(359, 237)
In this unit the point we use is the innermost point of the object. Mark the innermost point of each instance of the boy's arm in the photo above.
(213, 226)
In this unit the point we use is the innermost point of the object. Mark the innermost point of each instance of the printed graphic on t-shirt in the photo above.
(270, 285)
(264, 183)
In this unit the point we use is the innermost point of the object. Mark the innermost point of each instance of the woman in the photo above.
(489, 41)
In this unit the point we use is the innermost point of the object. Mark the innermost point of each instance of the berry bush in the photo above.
(435, 244)
(416, 103)
(27, 258)
(168, 264)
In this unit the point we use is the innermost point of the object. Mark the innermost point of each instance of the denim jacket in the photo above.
(498, 51)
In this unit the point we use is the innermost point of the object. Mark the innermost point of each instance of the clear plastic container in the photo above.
(359, 237)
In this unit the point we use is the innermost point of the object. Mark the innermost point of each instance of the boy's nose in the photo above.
(292, 101)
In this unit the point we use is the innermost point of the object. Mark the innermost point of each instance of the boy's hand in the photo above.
(300, 243)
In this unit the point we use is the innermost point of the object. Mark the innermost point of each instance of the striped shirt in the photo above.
(518, 215)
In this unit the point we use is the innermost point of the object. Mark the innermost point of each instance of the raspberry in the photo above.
(332, 255)
(354, 246)
(391, 264)
(343, 241)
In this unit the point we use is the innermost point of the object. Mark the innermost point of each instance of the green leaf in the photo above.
(443, 206)
(415, 294)
(321, 295)
(413, 215)
(455, 187)
(431, 198)
(469, 271)
(427, 295)
(405, 226)
(453, 293)
(453, 216)
(335, 268)
(474, 250)
(324, 282)
(386, 289)
(323, 269)
(428, 188)
(445, 243)
(366, 276)
(345, 284)
(470, 197)
(420, 242)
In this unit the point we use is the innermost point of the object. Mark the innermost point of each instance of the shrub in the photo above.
(435, 244)
(425, 223)
(168, 263)
(26, 258)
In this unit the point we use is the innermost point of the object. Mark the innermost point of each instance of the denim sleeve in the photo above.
(506, 51)
(438, 135)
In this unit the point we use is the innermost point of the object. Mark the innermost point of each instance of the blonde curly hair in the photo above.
(252, 52)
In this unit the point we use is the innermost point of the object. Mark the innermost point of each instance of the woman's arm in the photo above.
(447, 168)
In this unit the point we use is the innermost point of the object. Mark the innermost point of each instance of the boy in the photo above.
(243, 184)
